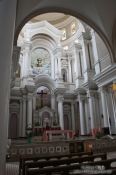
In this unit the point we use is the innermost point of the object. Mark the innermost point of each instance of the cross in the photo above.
(41, 94)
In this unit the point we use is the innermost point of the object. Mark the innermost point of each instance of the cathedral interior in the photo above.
(57, 87)
(62, 77)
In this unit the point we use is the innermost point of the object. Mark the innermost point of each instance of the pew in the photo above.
(55, 163)
(68, 169)
(24, 159)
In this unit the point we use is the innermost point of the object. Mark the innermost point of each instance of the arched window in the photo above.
(63, 34)
(73, 28)
(64, 75)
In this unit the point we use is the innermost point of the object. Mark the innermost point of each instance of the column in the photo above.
(87, 116)
(82, 115)
(52, 66)
(58, 55)
(60, 110)
(95, 52)
(92, 109)
(87, 60)
(7, 26)
(114, 107)
(15, 60)
(73, 116)
(34, 102)
(56, 68)
(104, 107)
(29, 110)
(78, 65)
(53, 102)
(20, 119)
(70, 72)
(24, 117)
(26, 61)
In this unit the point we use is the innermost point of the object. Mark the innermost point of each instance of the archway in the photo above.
(55, 7)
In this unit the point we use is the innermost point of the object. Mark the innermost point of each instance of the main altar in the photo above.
(44, 116)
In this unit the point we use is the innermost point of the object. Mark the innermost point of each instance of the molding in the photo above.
(106, 77)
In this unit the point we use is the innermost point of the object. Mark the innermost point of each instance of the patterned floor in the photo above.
(13, 168)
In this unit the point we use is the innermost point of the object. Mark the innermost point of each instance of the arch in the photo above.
(64, 75)
(69, 11)
(44, 80)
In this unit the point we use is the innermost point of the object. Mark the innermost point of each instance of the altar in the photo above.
(53, 135)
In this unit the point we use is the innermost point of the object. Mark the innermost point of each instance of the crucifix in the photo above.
(41, 95)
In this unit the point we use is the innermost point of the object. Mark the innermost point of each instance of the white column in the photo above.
(34, 102)
(53, 101)
(56, 68)
(104, 107)
(92, 109)
(87, 62)
(26, 62)
(7, 26)
(82, 120)
(60, 111)
(73, 116)
(77, 65)
(24, 117)
(58, 56)
(95, 53)
(20, 119)
(29, 110)
(15, 61)
(87, 116)
(52, 66)
(69, 73)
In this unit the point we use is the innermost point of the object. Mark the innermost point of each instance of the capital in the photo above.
(92, 93)
(60, 98)
(29, 96)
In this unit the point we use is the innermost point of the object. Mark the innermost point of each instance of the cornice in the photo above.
(106, 77)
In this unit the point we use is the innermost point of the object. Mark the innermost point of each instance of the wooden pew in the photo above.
(66, 169)
(24, 159)
(55, 163)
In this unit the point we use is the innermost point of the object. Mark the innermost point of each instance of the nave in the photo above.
(13, 168)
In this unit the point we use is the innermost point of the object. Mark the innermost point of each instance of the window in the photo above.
(73, 28)
(63, 34)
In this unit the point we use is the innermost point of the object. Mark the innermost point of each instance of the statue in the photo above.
(39, 62)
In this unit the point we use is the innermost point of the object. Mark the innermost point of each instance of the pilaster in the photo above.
(60, 100)
(82, 113)
(58, 56)
(15, 60)
(92, 95)
(26, 62)
(73, 116)
(78, 65)
(21, 118)
(104, 107)
(95, 53)
(87, 55)
(29, 110)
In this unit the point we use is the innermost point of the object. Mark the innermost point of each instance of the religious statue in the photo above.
(39, 62)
